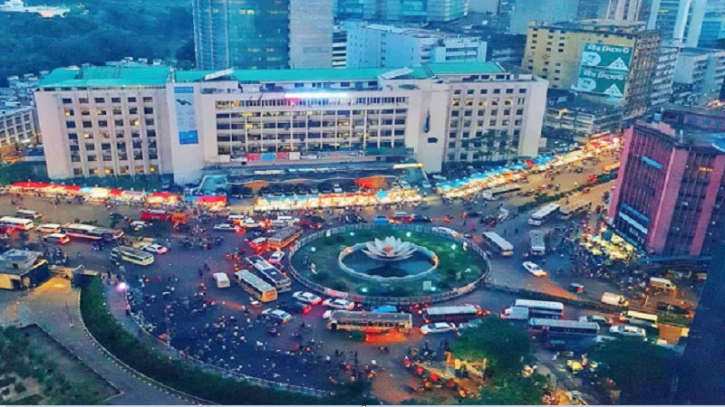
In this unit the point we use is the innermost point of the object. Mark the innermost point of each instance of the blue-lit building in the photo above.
(401, 10)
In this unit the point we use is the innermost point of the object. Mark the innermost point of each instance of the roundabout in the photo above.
(394, 264)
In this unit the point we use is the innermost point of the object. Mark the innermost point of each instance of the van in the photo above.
(282, 221)
(617, 300)
(222, 280)
(516, 313)
(662, 284)
(28, 214)
(236, 218)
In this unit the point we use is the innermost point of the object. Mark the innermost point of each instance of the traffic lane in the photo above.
(65, 212)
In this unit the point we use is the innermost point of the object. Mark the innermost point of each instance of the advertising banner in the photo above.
(186, 115)
(603, 56)
(269, 156)
(254, 156)
(308, 155)
(294, 156)
(604, 82)
(283, 156)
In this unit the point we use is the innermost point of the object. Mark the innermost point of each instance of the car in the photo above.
(446, 231)
(674, 309)
(49, 228)
(381, 219)
(225, 227)
(137, 225)
(534, 269)
(327, 314)
(420, 219)
(155, 248)
(628, 330)
(59, 238)
(278, 315)
(599, 319)
(276, 257)
(297, 307)
(438, 328)
(336, 188)
(307, 298)
(339, 303)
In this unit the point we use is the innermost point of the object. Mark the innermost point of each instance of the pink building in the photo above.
(670, 194)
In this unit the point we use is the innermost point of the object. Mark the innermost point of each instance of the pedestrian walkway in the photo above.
(55, 307)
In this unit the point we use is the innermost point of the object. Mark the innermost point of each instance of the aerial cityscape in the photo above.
(362, 202)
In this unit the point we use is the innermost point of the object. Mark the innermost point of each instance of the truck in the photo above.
(516, 313)
(617, 300)
(662, 284)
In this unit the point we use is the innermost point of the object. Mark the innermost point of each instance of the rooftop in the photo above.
(98, 77)
(17, 261)
(686, 136)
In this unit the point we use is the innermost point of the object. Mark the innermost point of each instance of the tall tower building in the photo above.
(401, 10)
(311, 27)
(245, 34)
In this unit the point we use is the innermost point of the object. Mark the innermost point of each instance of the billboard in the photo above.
(186, 115)
(603, 56)
(600, 81)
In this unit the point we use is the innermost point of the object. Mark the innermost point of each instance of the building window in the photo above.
(132, 100)
(115, 100)
(70, 124)
(100, 100)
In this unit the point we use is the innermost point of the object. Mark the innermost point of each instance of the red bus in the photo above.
(154, 214)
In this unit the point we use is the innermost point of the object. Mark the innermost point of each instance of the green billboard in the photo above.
(601, 81)
(603, 56)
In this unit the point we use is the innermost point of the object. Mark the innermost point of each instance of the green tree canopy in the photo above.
(641, 370)
(514, 389)
(504, 346)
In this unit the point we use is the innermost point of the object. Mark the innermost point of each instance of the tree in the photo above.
(641, 370)
(502, 346)
(514, 389)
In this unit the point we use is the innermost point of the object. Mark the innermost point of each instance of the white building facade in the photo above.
(699, 75)
(190, 122)
(380, 46)
(310, 33)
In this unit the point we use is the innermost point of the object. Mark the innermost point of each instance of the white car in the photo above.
(327, 314)
(138, 225)
(628, 330)
(277, 314)
(155, 248)
(438, 328)
(276, 257)
(447, 231)
(307, 298)
(534, 269)
(225, 227)
(49, 228)
(339, 303)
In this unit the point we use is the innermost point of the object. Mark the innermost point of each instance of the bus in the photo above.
(494, 194)
(16, 223)
(498, 244)
(27, 214)
(270, 273)
(611, 167)
(537, 242)
(553, 328)
(543, 214)
(639, 318)
(91, 232)
(573, 209)
(542, 309)
(369, 322)
(255, 286)
(453, 313)
(132, 255)
(154, 214)
(283, 237)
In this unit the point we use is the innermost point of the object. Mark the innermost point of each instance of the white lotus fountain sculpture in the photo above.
(389, 249)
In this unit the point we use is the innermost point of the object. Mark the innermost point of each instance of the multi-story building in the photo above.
(249, 34)
(678, 20)
(670, 189)
(605, 61)
(401, 10)
(664, 74)
(550, 11)
(310, 33)
(698, 76)
(339, 47)
(17, 130)
(108, 121)
(713, 24)
(380, 46)
(580, 118)
(624, 10)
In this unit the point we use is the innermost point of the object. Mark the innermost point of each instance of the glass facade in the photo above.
(243, 34)
(401, 10)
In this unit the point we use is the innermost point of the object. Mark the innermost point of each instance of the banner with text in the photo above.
(186, 115)
(603, 56)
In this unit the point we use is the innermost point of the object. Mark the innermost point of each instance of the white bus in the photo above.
(553, 328)
(17, 223)
(498, 244)
(27, 214)
(542, 309)
(537, 242)
(494, 194)
(639, 318)
(452, 313)
(573, 209)
(91, 232)
(132, 255)
(270, 273)
(543, 214)
(255, 286)
(370, 322)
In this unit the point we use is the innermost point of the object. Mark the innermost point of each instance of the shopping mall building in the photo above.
(101, 121)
